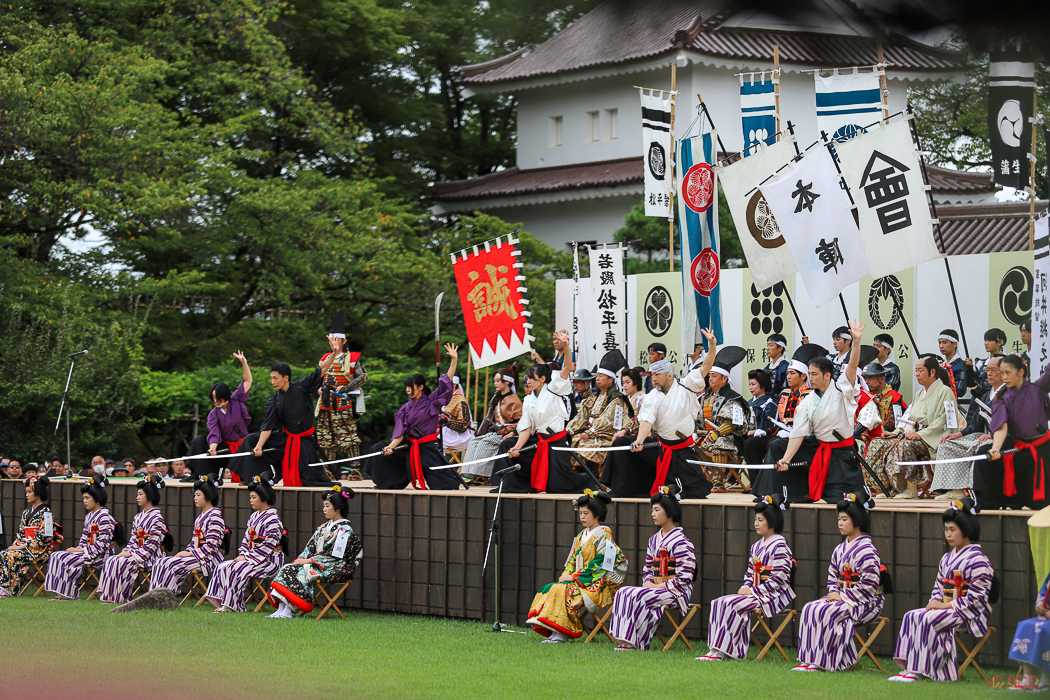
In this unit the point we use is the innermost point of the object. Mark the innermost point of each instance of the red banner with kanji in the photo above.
(494, 306)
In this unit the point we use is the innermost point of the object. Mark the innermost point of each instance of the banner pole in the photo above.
(776, 87)
(674, 155)
(1031, 178)
(883, 88)
(486, 387)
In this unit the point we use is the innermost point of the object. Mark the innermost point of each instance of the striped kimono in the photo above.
(597, 567)
(259, 547)
(825, 637)
(64, 569)
(205, 549)
(637, 611)
(36, 531)
(926, 645)
(768, 576)
(144, 547)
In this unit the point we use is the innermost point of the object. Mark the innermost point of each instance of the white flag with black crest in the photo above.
(1040, 324)
(656, 142)
(883, 171)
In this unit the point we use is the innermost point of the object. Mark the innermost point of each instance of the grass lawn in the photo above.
(78, 650)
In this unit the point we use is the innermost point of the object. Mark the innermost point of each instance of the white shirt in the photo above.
(821, 416)
(674, 412)
(546, 411)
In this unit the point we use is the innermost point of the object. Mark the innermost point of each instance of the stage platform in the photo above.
(424, 549)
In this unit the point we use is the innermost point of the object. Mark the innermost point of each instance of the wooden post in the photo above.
(469, 395)
(882, 84)
(670, 169)
(486, 387)
(776, 85)
(1031, 178)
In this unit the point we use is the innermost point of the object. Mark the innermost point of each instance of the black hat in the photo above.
(612, 362)
(868, 354)
(807, 352)
(582, 375)
(339, 324)
(873, 369)
(729, 357)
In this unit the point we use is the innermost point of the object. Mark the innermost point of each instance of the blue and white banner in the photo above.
(698, 228)
(847, 102)
(758, 107)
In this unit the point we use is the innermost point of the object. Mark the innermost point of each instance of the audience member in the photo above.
(30, 469)
(178, 470)
(14, 469)
(121, 470)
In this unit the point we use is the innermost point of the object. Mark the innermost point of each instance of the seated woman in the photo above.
(101, 532)
(455, 420)
(593, 572)
(857, 583)
(417, 422)
(261, 552)
(148, 542)
(1031, 645)
(501, 419)
(767, 586)
(36, 531)
(962, 596)
(920, 441)
(211, 540)
(333, 554)
(667, 580)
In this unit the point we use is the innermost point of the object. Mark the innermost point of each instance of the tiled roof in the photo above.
(625, 32)
(625, 171)
(985, 228)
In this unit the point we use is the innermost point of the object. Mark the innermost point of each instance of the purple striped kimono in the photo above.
(825, 637)
(768, 576)
(926, 645)
(205, 550)
(64, 569)
(637, 611)
(144, 547)
(261, 558)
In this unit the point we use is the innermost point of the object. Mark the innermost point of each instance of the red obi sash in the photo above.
(761, 572)
(234, 446)
(818, 468)
(290, 463)
(663, 464)
(1038, 482)
(955, 587)
(847, 577)
(415, 462)
(92, 534)
(541, 463)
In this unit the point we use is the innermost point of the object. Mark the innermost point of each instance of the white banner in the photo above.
(656, 145)
(582, 316)
(882, 169)
(610, 301)
(815, 218)
(768, 258)
(1040, 354)
(847, 102)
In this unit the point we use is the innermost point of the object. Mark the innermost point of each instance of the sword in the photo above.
(204, 455)
(352, 459)
(437, 334)
(743, 466)
(493, 458)
(953, 460)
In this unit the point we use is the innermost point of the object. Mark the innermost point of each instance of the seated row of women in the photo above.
(595, 570)
(332, 554)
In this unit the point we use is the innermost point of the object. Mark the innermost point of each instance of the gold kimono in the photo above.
(599, 418)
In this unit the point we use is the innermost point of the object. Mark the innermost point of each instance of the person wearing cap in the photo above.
(955, 477)
(776, 351)
(919, 438)
(98, 536)
(723, 419)
(1026, 338)
(857, 584)
(948, 343)
(36, 533)
(962, 598)
(871, 423)
(118, 470)
(976, 369)
(582, 389)
(340, 407)
(501, 419)
(227, 422)
(657, 352)
(667, 417)
(602, 414)
(842, 342)
(883, 342)
(31, 469)
(822, 435)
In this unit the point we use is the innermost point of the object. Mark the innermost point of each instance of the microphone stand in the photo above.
(62, 407)
(493, 530)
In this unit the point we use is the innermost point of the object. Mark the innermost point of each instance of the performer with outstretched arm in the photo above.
(417, 421)
(289, 427)
(227, 423)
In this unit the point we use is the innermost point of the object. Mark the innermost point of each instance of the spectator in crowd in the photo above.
(3, 470)
(178, 470)
(30, 469)
(14, 469)
(129, 467)
(121, 470)
(55, 467)
(97, 468)
(155, 467)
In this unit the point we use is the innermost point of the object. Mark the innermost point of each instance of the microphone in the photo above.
(77, 354)
(508, 470)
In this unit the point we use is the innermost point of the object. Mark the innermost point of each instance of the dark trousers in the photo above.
(844, 472)
(395, 472)
(199, 467)
(560, 476)
(248, 466)
(754, 452)
(988, 478)
(631, 474)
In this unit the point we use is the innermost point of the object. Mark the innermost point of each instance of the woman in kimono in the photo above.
(1031, 645)
(211, 540)
(857, 582)
(261, 552)
(333, 554)
(667, 580)
(962, 596)
(36, 531)
(501, 419)
(101, 532)
(593, 572)
(767, 586)
(148, 541)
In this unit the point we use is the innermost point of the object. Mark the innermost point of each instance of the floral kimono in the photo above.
(333, 554)
(36, 531)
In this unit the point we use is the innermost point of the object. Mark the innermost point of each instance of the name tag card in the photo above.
(340, 544)
(618, 418)
(951, 419)
(738, 415)
(869, 415)
(896, 412)
(610, 556)
(49, 525)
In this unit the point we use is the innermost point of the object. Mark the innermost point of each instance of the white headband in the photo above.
(945, 336)
(719, 370)
(508, 379)
(846, 336)
(798, 367)
(777, 342)
(338, 335)
(607, 373)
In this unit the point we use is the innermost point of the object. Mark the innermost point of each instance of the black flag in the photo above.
(1011, 91)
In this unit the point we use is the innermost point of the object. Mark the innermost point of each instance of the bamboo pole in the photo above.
(882, 84)
(776, 85)
(486, 387)
(1031, 178)
(670, 169)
